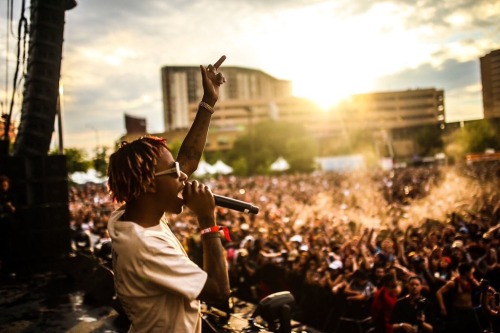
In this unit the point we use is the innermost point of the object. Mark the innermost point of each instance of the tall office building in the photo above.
(251, 96)
(183, 90)
(393, 117)
(490, 79)
(397, 109)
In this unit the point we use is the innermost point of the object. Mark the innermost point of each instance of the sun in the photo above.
(325, 94)
(331, 57)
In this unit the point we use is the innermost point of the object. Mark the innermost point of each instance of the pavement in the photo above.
(56, 301)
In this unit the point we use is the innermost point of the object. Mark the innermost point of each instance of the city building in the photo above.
(394, 116)
(396, 109)
(183, 90)
(251, 96)
(490, 79)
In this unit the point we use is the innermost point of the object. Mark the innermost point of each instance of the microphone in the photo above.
(234, 204)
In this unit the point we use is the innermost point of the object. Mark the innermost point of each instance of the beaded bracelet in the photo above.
(207, 107)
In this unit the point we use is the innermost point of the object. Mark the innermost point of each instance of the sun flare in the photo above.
(325, 94)
(329, 62)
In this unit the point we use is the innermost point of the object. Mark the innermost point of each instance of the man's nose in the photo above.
(183, 177)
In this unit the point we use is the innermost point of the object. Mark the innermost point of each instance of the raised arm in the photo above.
(194, 143)
(440, 296)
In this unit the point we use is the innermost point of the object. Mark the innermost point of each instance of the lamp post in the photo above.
(96, 138)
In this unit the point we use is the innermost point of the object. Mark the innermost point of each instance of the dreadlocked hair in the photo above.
(131, 168)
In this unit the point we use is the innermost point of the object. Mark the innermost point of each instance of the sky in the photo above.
(330, 49)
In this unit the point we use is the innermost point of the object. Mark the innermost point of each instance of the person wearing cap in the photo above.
(444, 268)
(157, 284)
(457, 253)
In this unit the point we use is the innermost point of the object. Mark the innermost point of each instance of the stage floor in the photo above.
(66, 302)
(51, 302)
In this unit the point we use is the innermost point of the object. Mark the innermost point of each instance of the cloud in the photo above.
(452, 13)
(450, 75)
(113, 50)
(460, 81)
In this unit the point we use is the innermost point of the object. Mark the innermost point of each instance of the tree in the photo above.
(101, 161)
(474, 137)
(300, 154)
(429, 140)
(269, 141)
(76, 160)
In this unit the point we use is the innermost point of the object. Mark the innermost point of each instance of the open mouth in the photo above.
(179, 194)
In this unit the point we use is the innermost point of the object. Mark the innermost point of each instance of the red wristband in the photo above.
(217, 228)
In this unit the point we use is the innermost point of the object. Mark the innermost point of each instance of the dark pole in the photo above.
(59, 122)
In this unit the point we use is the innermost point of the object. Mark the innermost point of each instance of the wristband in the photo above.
(217, 228)
(207, 107)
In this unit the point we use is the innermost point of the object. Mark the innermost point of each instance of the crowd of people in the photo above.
(408, 250)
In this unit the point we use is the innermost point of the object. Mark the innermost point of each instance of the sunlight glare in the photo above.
(323, 91)
(329, 58)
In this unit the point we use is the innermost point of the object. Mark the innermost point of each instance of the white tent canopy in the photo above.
(204, 169)
(280, 165)
(90, 176)
(222, 168)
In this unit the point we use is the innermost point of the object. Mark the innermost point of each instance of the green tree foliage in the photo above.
(350, 142)
(429, 140)
(213, 156)
(100, 162)
(76, 160)
(299, 154)
(270, 140)
(240, 166)
(473, 137)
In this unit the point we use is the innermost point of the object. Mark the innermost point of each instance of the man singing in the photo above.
(157, 284)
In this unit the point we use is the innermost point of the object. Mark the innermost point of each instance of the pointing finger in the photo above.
(219, 62)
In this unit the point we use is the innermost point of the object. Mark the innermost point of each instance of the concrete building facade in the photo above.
(182, 91)
(394, 116)
(251, 96)
(490, 79)
(396, 109)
